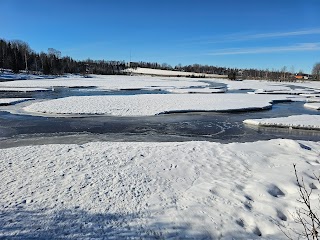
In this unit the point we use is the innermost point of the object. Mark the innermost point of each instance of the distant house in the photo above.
(302, 76)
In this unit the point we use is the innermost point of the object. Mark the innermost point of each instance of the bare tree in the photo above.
(284, 71)
(54, 52)
(307, 216)
(316, 71)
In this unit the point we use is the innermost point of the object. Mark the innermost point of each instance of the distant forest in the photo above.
(17, 55)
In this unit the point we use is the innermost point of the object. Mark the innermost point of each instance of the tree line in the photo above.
(233, 73)
(17, 55)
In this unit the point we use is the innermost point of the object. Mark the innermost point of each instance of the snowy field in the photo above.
(159, 72)
(197, 190)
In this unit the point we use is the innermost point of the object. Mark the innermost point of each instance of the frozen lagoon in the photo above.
(146, 96)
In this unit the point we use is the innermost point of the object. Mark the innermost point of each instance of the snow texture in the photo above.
(190, 190)
(153, 104)
(311, 122)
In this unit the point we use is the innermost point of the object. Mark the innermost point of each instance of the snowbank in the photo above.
(315, 106)
(153, 104)
(197, 190)
(296, 121)
(10, 101)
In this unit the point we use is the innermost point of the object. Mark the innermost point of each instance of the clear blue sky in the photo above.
(259, 34)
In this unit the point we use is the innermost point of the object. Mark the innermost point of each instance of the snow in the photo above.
(295, 121)
(9, 101)
(313, 105)
(313, 99)
(255, 85)
(315, 95)
(109, 82)
(269, 86)
(114, 190)
(20, 89)
(197, 90)
(159, 72)
(173, 84)
(153, 104)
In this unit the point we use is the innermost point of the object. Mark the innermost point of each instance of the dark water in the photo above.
(16, 130)
(68, 92)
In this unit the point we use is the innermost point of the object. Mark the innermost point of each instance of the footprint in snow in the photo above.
(257, 231)
(249, 198)
(247, 205)
(305, 147)
(275, 191)
(240, 222)
(281, 215)
(312, 186)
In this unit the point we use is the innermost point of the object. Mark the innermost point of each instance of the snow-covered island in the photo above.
(153, 104)
(311, 122)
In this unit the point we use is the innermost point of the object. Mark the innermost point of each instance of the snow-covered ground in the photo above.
(9, 101)
(159, 72)
(119, 190)
(153, 104)
(164, 83)
(296, 121)
(116, 190)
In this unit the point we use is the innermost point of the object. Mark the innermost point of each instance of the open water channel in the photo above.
(20, 129)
